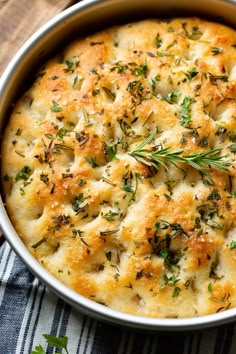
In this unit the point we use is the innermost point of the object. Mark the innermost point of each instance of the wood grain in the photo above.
(19, 19)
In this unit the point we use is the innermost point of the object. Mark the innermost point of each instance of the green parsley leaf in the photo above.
(38, 350)
(59, 342)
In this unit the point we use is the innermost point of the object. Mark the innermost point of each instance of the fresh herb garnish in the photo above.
(157, 156)
(58, 342)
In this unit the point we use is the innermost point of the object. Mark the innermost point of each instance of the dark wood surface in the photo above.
(19, 19)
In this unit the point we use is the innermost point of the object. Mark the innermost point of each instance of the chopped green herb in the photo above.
(176, 291)
(186, 111)
(19, 131)
(109, 93)
(209, 288)
(40, 242)
(191, 73)
(63, 147)
(78, 205)
(232, 148)
(171, 44)
(92, 161)
(164, 54)
(44, 178)
(108, 181)
(214, 195)
(232, 195)
(171, 97)
(109, 232)
(49, 136)
(168, 280)
(124, 126)
(127, 184)
(111, 151)
(158, 41)
(232, 245)
(203, 142)
(214, 78)
(216, 50)
(58, 342)
(141, 70)
(23, 174)
(110, 216)
(55, 107)
(81, 182)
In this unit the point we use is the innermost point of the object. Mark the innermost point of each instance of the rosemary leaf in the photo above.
(157, 156)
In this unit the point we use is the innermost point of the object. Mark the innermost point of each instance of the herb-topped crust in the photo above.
(118, 167)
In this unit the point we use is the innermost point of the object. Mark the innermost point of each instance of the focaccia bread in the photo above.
(118, 167)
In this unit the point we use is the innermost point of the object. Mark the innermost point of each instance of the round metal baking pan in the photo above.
(85, 17)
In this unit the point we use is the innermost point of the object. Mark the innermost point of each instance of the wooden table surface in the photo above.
(21, 18)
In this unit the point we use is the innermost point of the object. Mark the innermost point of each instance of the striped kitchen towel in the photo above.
(28, 310)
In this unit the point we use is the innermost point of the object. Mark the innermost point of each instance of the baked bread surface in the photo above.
(146, 239)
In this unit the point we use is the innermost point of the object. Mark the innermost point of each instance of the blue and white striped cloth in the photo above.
(28, 310)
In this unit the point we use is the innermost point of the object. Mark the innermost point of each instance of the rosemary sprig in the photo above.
(157, 156)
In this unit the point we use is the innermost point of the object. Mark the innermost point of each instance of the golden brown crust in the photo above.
(153, 243)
